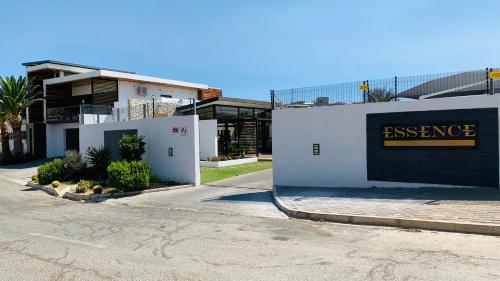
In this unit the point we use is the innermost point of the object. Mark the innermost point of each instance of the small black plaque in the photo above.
(316, 149)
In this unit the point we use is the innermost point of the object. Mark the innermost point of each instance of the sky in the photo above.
(247, 48)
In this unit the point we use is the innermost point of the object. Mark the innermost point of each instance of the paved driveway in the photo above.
(249, 194)
(20, 173)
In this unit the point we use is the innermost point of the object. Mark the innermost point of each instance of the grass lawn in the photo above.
(215, 174)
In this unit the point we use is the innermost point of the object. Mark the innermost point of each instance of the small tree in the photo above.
(16, 96)
(132, 147)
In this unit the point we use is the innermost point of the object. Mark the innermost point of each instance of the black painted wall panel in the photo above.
(470, 166)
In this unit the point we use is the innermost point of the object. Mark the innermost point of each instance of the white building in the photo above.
(79, 94)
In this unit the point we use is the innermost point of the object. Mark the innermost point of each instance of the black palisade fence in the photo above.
(451, 84)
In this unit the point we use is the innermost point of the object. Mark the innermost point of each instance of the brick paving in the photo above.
(463, 205)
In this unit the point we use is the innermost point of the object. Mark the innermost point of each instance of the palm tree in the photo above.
(380, 95)
(17, 95)
(3, 130)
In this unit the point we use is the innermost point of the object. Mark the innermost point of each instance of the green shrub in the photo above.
(129, 176)
(73, 165)
(55, 184)
(51, 171)
(97, 189)
(132, 147)
(99, 159)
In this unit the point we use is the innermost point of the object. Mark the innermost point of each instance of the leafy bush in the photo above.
(55, 184)
(50, 171)
(132, 147)
(97, 189)
(34, 178)
(129, 176)
(99, 159)
(73, 165)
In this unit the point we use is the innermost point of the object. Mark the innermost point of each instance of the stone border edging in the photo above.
(471, 228)
(86, 197)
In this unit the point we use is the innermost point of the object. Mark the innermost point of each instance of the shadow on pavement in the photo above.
(421, 193)
(263, 196)
(31, 164)
(30, 189)
(237, 186)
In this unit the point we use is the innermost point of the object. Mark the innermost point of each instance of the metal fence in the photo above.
(463, 83)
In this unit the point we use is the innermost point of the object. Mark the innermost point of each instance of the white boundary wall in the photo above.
(341, 133)
(56, 138)
(182, 167)
(208, 139)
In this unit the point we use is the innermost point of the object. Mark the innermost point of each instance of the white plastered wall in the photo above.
(56, 138)
(341, 133)
(208, 139)
(182, 167)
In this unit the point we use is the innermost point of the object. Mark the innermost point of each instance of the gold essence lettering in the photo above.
(424, 132)
(454, 130)
(469, 130)
(388, 132)
(451, 135)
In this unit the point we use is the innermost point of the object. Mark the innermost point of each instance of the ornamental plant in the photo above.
(99, 160)
(129, 176)
(132, 147)
(73, 165)
(51, 171)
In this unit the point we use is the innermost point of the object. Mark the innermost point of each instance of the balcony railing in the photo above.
(79, 113)
(67, 114)
(95, 114)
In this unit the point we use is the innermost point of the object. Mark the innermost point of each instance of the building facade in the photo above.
(243, 126)
(78, 94)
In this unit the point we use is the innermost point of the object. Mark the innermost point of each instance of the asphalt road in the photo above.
(249, 194)
(45, 238)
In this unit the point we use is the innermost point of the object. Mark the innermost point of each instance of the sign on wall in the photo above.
(455, 147)
(418, 134)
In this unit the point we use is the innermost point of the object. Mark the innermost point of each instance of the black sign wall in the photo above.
(456, 147)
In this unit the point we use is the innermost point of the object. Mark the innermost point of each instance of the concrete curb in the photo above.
(87, 197)
(471, 228)
(48, 190)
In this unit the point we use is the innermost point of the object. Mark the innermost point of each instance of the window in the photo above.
(246, 113)
(226, 112)
(205, 113)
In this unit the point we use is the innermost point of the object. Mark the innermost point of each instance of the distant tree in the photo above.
(380, 95)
